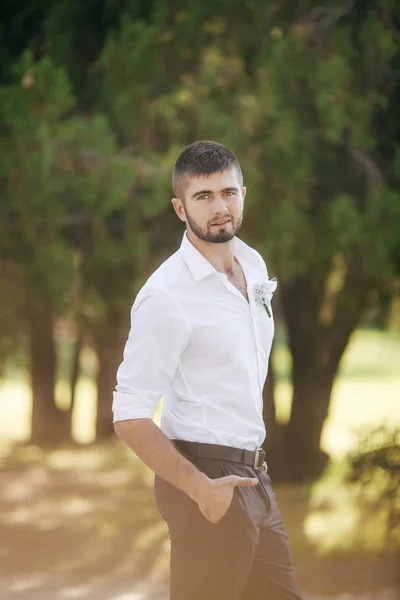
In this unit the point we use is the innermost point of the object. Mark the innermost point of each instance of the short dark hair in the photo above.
(202, 158)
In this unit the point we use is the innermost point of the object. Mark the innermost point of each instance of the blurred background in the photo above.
(97, 99)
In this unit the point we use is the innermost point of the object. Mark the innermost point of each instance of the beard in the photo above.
(213, 234)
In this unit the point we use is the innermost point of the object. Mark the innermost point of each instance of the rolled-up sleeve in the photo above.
(158, 335)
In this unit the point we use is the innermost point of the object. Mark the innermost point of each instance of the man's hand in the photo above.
(215, 495)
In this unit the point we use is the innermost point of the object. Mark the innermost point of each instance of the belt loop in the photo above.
(196, 449)
(243, 460)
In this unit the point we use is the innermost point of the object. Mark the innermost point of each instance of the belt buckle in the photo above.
(258, 453)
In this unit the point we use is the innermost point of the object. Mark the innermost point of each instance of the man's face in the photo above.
(212, 206)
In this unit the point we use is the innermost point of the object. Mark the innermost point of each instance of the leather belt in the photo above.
(253, 458)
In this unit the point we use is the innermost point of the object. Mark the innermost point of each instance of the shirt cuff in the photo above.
(131, 406)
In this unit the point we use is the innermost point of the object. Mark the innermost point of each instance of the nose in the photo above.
(219, 206)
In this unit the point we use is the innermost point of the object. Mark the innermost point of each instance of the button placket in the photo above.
(253, 308)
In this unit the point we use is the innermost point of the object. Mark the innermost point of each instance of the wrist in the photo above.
(198, 485)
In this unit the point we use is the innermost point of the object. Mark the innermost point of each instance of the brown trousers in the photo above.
(245, 556)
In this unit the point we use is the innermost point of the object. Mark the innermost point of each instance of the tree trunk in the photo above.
(316, 346)
(49, 425)
(109, 339)
(75, 367)
(273, 439)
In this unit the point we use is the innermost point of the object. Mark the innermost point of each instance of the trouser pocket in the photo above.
(184, 518)
(185, 521)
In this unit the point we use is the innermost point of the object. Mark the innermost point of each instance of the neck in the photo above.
(220, 256)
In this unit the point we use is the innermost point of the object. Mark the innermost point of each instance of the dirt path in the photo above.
(39, 587)
(83, 526)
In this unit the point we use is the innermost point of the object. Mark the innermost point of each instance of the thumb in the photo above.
(244, 481)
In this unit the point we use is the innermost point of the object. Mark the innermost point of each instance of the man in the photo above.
(200, 339)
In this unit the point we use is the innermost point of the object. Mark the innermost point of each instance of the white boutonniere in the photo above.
(264, 291)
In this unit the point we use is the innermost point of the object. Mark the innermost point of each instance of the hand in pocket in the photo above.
(215, 497)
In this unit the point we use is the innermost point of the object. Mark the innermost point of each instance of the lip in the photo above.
(222, 223)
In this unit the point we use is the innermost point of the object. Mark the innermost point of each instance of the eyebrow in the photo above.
(201, 192)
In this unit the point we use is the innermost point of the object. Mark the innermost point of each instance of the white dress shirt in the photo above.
(196, 341)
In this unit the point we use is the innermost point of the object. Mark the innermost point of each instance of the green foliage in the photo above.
(374, 473)
(96, 109)
(63, 179)
(30, 209)
(296, 93)
(41, 94)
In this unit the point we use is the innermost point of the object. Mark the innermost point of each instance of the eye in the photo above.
(204, 197)
(229, 193)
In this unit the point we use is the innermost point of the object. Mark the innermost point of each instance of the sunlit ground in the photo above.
(89, 512)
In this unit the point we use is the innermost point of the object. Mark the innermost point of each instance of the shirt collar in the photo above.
(199, 265)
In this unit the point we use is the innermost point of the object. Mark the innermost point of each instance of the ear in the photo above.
(244, 190)
(179, 208)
